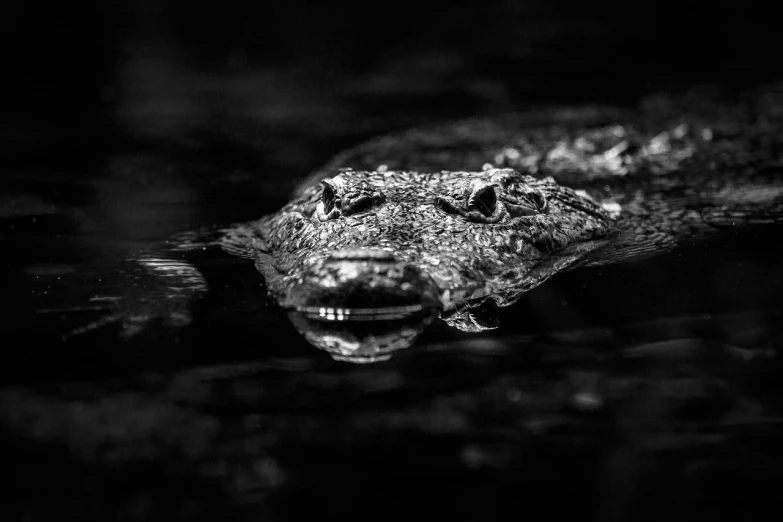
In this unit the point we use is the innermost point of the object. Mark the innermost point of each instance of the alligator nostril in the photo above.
(362, 254)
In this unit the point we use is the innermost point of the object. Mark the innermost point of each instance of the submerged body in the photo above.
(443, 220)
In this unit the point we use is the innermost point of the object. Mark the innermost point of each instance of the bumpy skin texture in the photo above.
(435, 223)
(675, 166)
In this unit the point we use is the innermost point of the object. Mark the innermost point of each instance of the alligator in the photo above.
(452, 220)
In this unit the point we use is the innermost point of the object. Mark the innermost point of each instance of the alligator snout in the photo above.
(362, 284)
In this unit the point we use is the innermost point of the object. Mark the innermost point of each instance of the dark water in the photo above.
(635, 391)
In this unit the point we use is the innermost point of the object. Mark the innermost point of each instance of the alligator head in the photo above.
(366, 250)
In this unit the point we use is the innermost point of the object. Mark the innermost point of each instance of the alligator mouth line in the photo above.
(361, 314)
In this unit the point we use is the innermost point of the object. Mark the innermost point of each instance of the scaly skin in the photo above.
(420, 219)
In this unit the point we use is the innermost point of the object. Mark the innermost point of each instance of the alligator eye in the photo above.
(359, 197)
(361, 204)
(476, 202)
(525, 201)
(446, 204)
(328, 198)
(330, 204)
(485, 200)
(540, 200)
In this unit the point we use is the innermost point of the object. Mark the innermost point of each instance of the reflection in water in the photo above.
(362, 336)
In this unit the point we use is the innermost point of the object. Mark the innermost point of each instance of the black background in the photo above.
(72, 71)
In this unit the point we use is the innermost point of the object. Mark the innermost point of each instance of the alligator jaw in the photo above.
(361, 284)
(361, 304)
